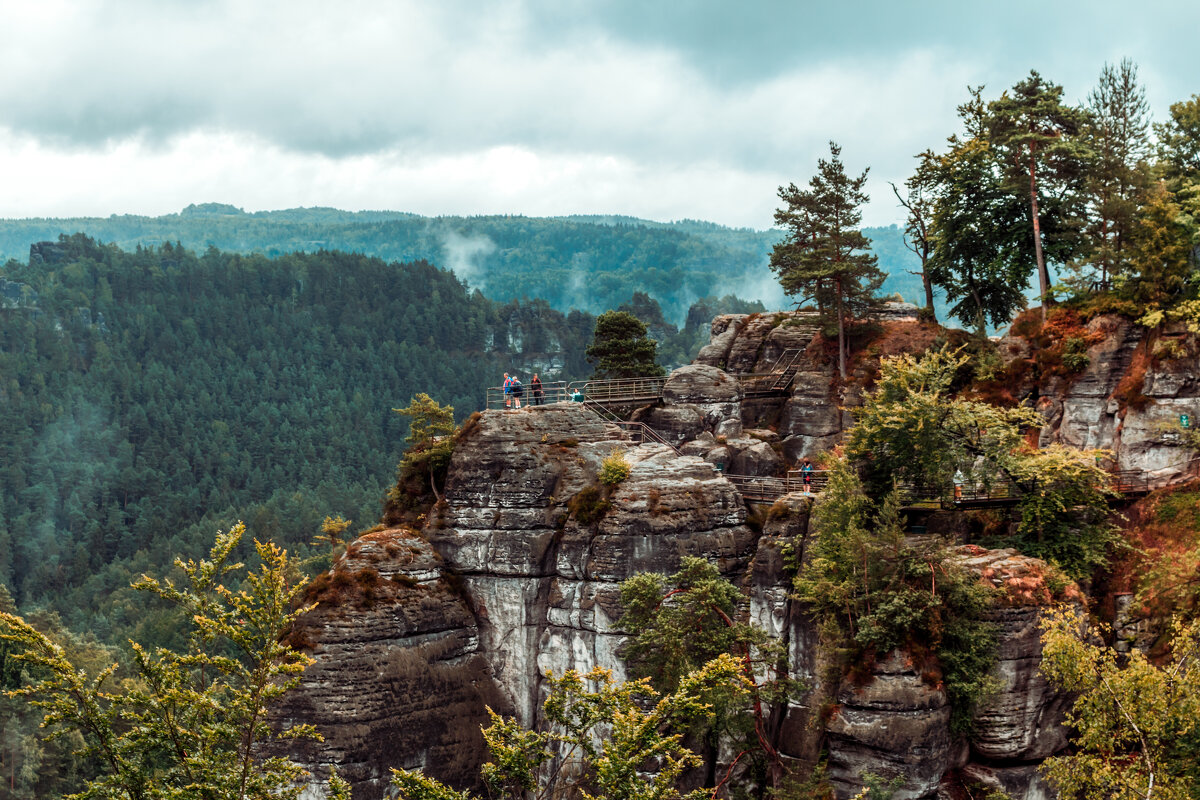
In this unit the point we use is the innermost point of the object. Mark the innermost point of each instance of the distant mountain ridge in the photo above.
(589, 262)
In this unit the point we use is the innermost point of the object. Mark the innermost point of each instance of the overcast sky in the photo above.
(662, 109)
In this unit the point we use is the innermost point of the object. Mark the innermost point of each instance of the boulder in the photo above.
(753, 457)
(398, 678)
(721, 337)
(714, 394)
(898, 724)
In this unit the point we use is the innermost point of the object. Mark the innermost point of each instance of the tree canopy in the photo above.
(824, 257)
(620, 348)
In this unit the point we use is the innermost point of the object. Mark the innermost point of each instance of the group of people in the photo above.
(514, 390)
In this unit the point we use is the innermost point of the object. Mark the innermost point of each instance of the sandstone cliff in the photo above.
(537, 549)
(515, 572)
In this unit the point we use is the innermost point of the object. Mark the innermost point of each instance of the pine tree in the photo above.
(824, 256)
(1043, 158)
(620, 348)
(1160, 258)
(1118, 133)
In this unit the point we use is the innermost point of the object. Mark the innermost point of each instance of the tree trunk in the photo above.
(928, 287)
(1043, 275)
(841, 332)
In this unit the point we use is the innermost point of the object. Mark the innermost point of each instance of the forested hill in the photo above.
(591, 263)
(148, 396)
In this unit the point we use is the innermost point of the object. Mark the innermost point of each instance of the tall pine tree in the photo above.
(1118, 132)
(1042, 157)
(824, 257)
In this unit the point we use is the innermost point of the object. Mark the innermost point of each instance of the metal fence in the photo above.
(617, 391)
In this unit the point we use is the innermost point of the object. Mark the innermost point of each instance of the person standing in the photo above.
(806, 472)
(536, 385)
(507, 391)
(517, 391)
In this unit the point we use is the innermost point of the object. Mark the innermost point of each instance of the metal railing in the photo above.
(777, 380)
(641, 433)
(765, 488)
(552, 392)
(619, 390)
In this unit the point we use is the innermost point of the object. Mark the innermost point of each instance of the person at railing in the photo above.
(806, 472)
(507, 391)
(517, 391)
(576, 395)
(536, 386)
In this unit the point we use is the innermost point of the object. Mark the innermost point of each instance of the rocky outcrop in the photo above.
(752, 343)
(541, 546)
(516, 572)
(1127, 399)
(897, 724)
(1023, 719)
(398, 678)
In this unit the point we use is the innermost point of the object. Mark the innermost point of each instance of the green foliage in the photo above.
(151, 396)
(1179, 144)
(1161, 261)
(1042, 156)
(194, 723)
(614, 468)
(973, 228)
(911, 429)
(824, 257)
(1074, 354)
(1064, 514)
(621, 349)
(589, 505)
(873, 593)
(429, 420)
(617, 741)
(1134, 722)
(679, 622)
(1117, 132)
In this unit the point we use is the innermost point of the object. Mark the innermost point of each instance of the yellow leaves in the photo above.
(1131, 716)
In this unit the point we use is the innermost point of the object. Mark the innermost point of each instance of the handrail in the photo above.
(620, 389)
(552, 392)
(646, 433)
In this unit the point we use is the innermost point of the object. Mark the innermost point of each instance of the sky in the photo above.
(662, 109)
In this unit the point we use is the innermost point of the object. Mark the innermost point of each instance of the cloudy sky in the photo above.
(662, 109)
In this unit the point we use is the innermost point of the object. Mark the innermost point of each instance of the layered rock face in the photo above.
(541, 545)
(898, 723)
(399, 679)
(407, 658)
(1128, 398)
(516, 573)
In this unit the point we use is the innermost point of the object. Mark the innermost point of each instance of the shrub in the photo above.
(589, 505)
(1074, 355)
(614, 468)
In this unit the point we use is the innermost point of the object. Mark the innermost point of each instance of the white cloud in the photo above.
(453, 107)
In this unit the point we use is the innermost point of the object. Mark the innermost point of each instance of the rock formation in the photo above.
(1127, 399)
(516, 572)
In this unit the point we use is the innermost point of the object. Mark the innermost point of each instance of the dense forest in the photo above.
(148, 393)
(588, 263)
(150, 396)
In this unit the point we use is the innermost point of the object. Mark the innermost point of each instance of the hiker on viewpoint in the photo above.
(806, 472)
(507, 391)
(517, 391)
(536, 385)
